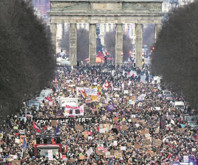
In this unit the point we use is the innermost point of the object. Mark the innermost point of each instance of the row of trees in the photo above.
(83, 44)
(26, 54)
(175, 57)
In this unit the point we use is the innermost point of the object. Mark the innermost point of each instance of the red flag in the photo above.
(53, 141)
(36, 127)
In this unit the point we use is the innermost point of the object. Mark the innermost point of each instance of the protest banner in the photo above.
(134, 120)
(16, 162)
(124, 127)
(22, 132)
(146, 142)
(68, 101)
(17, 140)
(88, 91)
(81, 157)
(123, 148)
(115, 143)
(137, 146)
(79, 128)
(186, 158)
(157, 142)
(54, 123)
(74, 111)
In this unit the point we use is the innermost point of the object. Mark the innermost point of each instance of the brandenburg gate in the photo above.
(94, 12)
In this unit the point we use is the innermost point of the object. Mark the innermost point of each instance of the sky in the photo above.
(42, 5)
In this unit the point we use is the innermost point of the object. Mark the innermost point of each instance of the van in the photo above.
(179, 105)
(46, 92)
(34, 103)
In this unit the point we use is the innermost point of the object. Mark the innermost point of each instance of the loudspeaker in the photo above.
(58, 141)
(45, 141)
(38, 141)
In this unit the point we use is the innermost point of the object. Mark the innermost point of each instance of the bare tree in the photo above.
(175, 57)
(26, 54)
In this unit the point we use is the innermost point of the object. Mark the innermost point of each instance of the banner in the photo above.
(88, 91)
(68, 101)
(74, 111)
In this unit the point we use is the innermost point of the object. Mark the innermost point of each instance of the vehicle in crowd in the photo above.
(48, 150)
(40, 99)
(46, 92)
(169, 97)
(156, 79)
(166, 92)
(179, 105)
(192, 120)
(34, 103)
(62, 61)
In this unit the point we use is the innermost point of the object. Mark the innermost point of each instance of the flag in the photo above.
(1, 135)
(83, 94)
(53, 141)
(110, 107)
(24, 143)
(57, 129)
(36, 127)
(101, 91)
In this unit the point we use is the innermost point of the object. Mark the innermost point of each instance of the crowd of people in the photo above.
(129, 122)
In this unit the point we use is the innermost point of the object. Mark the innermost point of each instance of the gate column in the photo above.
(119, 45)
(92, 44)
(73, 44)
(157, 30)
(138, 45)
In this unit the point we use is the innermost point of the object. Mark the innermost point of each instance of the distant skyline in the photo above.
(42, 5)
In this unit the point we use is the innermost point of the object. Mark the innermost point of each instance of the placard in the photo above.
(124, 127)
(16, 162)
(81, 157)
(54, 123)
(123, 148)
(50, 155)
(17, 141)
(186, 158)
(115, 143)
(79, 128)
(157, 142)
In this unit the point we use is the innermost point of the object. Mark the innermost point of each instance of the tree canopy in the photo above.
(110, 44)
(82, 43)
(27, 60)
(175, 57)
